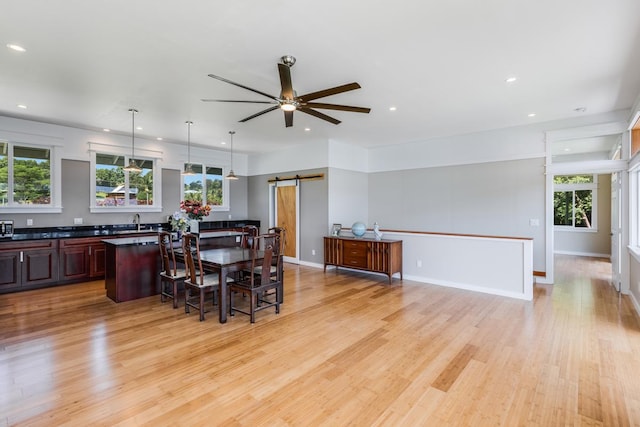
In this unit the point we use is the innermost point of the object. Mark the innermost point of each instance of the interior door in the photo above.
(285, 213)
(616, 231)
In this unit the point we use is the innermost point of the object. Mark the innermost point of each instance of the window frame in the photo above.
(127, 208)
(224, 207)
(593, 187)
(55, 179)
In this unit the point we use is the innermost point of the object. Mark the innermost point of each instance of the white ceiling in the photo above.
(443, 64)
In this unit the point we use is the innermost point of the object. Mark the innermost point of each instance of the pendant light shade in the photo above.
(187, 168)
(231, 175)
(132, 166)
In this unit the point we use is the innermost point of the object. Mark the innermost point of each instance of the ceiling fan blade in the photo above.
(288, 118)
(285, 81)
(222, 79)
(328, 92)
(233, 100)
(337, 107)
(319, 115)
(246, 119)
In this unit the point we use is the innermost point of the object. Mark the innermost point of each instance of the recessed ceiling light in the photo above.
(138, 127)
(392, 108)
(106, 130)
(307, 129)
(531, 115)
(567, 149)
(511, 79)
(223, 143)
(24, 107)
(16, 47)
(159, 138)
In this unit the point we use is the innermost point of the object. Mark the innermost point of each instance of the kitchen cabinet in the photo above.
(380, 256)
(26, 265)
(81, 259)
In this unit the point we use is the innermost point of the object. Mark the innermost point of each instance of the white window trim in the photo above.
(55, 180)
(226, 203)
(594, 203)
(157, 184)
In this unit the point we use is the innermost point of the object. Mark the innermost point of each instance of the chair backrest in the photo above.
(191, 250)
(266, 242)
(167, 255)
(282, 232)
(249, 232)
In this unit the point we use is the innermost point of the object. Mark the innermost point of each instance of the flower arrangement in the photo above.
(195, 210)
(179, 222)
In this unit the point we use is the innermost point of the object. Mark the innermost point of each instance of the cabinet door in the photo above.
(379, 257)
(9, 270)
(96, 268)
(39, 266)
(332, 251)
(74, 262)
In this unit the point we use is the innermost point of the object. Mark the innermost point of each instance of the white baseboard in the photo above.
(467, 287)
(310, 264)
(635, 302)
(589, 254)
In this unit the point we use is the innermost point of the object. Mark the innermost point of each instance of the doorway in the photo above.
(284, 211)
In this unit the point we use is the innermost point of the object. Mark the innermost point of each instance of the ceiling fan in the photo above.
(289, 101)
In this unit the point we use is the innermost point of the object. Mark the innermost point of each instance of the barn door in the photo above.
(285, 208)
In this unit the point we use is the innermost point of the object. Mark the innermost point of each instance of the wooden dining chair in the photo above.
(171, 276)
(258, 285)
(249, 232)
(198, 283)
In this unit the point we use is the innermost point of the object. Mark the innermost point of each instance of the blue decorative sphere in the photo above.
(358, 229)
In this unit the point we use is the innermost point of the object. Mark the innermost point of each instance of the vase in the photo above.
(194, 226)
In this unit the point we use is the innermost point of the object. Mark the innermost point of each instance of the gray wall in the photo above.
(596, 243)
(76, 199)
(313, 209)
(497, 198)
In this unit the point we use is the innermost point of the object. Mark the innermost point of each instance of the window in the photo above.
(207, 184)
(574, 198)
(115, 188)
(26, 177)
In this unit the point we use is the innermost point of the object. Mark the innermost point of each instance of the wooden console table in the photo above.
(380, 256)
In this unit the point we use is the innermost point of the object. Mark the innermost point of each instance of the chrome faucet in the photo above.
(136, 220)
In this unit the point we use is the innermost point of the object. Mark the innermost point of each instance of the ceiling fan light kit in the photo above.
(289, 101)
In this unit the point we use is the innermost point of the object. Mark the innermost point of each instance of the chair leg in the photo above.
(162, 285)
(201, 305)
(230, 295)
(175, 294)
(252, 308)
(187, 295)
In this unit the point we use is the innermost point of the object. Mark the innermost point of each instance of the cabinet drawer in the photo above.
(355, 260)
(353, 246)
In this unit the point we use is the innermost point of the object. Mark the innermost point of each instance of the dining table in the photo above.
(224, 261)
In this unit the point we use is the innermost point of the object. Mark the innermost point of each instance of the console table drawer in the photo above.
(355, 259)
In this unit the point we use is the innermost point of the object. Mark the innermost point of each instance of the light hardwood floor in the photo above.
(346, 349)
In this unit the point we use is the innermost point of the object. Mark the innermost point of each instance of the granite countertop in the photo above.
(149, 240)
(212, 230)
(73, 232)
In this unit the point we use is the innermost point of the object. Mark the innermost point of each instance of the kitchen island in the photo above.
(132, 264)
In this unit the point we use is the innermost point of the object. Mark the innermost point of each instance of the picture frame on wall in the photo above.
(335, 230)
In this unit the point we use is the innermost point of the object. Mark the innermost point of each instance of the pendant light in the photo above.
(187, 168)
(231, 175)
(133, 167)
